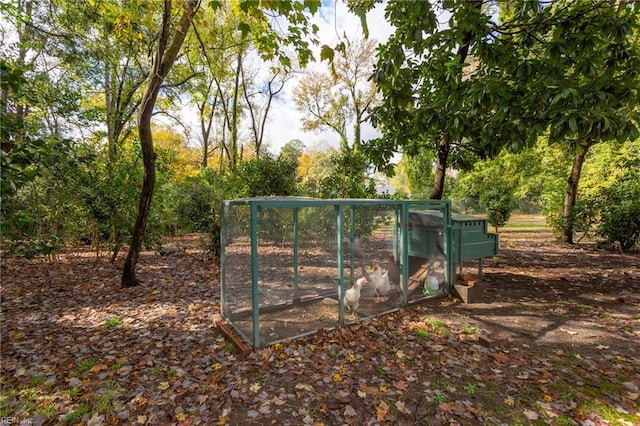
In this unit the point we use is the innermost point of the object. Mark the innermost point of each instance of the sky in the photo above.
(334, 20)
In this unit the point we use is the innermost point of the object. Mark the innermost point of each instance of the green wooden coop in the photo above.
(287, 262)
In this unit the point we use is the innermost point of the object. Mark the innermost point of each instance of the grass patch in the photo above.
(526, 223)
(74, 392)
(605, 388)
(112, 322)
(439, 398)
(36, 381)
(607, 412)
(470, 331)
(470, 388)
(421, 333)
(76, 416)
(86, 365)
(437, 326)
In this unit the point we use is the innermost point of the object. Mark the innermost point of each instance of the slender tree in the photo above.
(340, 97)
(165, 52)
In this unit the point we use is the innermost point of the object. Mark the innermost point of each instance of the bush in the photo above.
(498, 204)
(621, 223)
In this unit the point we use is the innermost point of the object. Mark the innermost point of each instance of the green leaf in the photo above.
(312, 5)
(285, 61)
(573, 125)
(327, 53)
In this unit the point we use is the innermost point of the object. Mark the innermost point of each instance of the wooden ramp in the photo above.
(243, 347)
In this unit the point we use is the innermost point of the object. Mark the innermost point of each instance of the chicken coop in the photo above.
(290, 265)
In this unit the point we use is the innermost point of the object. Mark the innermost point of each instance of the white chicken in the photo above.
(352, 295)
(380, 282)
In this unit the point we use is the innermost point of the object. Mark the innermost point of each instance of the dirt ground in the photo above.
(547, 293)
(554, 339)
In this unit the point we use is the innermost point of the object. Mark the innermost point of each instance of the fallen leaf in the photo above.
(278, 401)
(531, 415)
(381, 411)
(350, 412)
(371, 390)
(401, 385)
(99, 367)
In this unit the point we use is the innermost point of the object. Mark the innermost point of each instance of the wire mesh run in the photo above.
(292, 266)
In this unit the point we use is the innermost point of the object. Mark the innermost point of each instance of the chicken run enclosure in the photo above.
(288, 263)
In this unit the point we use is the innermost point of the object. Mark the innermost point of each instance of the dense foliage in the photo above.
(520, 88)
(608, 199)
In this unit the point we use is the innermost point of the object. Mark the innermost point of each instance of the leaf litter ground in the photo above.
(554, 340)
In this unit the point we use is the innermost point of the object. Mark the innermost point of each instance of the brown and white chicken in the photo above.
(352, 295)
(394, 271)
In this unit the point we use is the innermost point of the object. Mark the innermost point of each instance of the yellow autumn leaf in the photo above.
(222, 421)
(548, 398)
(16, 336)
(509, 401)
(383, 389)
(163, 385)
(255, 387)
(216, 366)
(351, 358)
(337, 377)
(181, 417)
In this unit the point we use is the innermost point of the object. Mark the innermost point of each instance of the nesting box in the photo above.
(287, 262)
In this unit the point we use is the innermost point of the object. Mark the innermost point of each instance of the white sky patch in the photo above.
(335, 22)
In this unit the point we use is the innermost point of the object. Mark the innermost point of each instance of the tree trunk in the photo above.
(570, 196)
(441, 169)
(164, 57)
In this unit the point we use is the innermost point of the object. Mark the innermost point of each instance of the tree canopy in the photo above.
(500, 75)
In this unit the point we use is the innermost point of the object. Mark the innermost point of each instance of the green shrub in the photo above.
(621, 224)
(498, 203)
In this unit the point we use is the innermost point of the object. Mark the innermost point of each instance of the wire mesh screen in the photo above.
(427, 253)
(291, 266)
